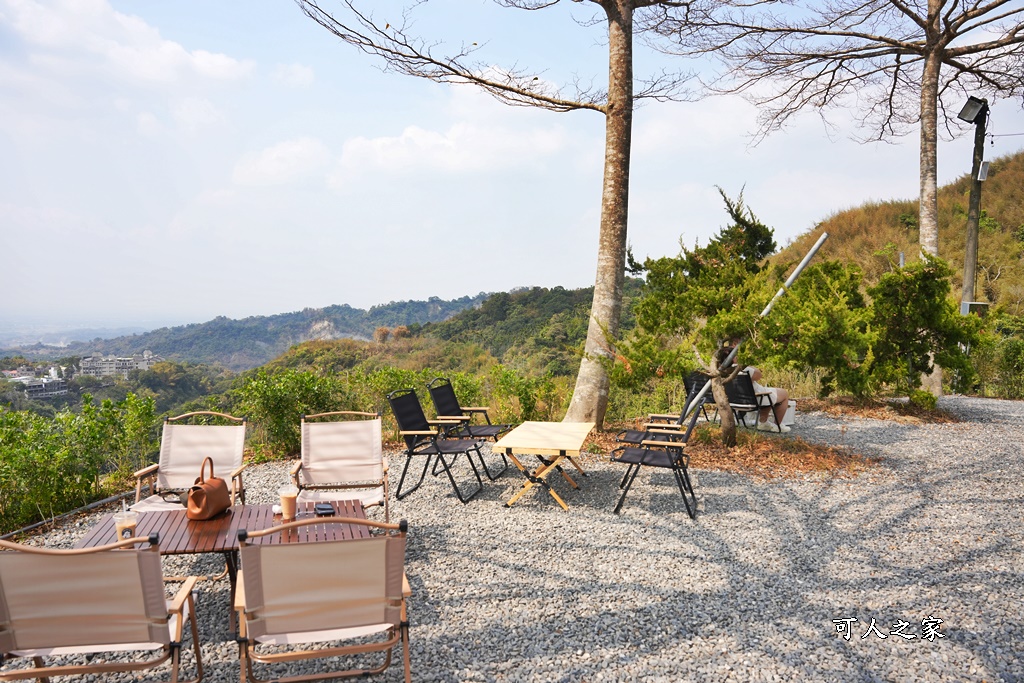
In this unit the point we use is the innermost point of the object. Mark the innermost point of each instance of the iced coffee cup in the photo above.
(124, 523)
(288, 494)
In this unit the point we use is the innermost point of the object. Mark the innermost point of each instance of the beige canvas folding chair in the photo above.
(343, 455)
(183, 447)
(292, 594)
(69, 605)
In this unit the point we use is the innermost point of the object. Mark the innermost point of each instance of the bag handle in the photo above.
(202, 470)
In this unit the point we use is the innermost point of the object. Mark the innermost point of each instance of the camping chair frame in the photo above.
(262, 619)
(659, 454)
(743, 399)
(694, 382)
(670, 426)
(314, 473)
(442, 393)
(225, 437)
(424, 437)
(155, 626)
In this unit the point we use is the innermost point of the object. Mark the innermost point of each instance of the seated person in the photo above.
(780, 403)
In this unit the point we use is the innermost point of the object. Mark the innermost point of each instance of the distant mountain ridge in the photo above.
(250, 342)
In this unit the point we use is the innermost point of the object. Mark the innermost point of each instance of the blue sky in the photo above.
(168, 162)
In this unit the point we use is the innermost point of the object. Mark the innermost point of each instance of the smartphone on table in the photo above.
(323, 510)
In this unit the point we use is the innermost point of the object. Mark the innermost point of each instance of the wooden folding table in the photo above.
(551, 443)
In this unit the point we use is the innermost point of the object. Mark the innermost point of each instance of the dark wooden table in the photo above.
(180, 535)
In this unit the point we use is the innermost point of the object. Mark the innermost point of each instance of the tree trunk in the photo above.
(590, 396)
(928, 222)
(728, 420)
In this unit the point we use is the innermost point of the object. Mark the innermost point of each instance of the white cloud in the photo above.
(462, 148)
(286, 162)
(125, 44)
(148, 124)
(295, 75)
(193, 113)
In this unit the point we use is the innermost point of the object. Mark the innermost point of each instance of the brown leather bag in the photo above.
(209, 497)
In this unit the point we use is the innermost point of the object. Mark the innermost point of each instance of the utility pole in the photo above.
(976, 112)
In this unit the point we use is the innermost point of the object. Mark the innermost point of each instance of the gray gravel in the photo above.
(747, 592)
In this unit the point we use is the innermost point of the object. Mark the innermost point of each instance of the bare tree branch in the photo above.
(404, 54)
(893, 62)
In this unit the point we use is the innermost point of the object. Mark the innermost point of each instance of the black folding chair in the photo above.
(448, 408)
(743, 399)
(424, 437)
(659, 454)
(694, 382)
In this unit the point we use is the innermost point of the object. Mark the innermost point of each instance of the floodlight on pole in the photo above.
(970, 111)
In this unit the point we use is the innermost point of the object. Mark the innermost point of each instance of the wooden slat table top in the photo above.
(179, 535)
(545, 438)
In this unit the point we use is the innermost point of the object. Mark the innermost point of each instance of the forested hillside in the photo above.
(860, 235)
(537, 331)
(251, 342)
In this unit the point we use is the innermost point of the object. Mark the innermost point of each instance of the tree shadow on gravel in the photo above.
(754, 584)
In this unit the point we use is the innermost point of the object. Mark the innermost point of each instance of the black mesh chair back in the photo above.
(694, 382)
(743, 399)
(443, 395)
(405, 404)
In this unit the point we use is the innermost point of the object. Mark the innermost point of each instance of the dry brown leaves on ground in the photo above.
(876, 409)
(764, 455)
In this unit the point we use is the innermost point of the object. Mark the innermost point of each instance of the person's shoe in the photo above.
(770, 427)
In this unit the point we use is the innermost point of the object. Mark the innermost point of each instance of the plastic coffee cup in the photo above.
(124, 523)
(288, 494)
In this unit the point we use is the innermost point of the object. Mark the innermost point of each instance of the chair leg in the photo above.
(626, 475)
(451, 477)
(487, 470)
(399, 495)
(618, 506)
(686, 486)
(405, 653)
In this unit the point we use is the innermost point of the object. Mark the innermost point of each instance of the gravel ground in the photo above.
(750, 591)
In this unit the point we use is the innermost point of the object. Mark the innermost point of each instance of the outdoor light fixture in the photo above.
(976, 112)
(971, 110)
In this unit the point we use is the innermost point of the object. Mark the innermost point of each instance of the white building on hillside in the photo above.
(99, 366)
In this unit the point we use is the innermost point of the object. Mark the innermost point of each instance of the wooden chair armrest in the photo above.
(662, 425)
(147, 471)
(443, 419)
(237, 472)
(661, 444)
(475, 409)
(449, 421)
(144, 474)
(178, 602)
(239, 596)
(295, 468)
(669, 432)
(406, 588)
(663, 416)
(421, 432)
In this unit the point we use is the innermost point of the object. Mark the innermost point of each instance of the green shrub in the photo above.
(54, 465)
(923, 399)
